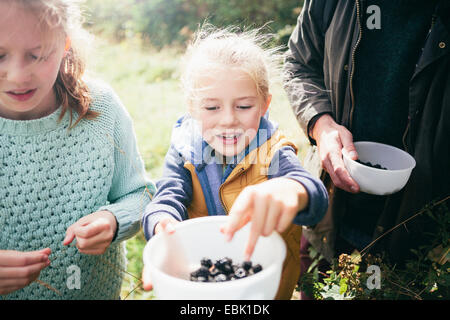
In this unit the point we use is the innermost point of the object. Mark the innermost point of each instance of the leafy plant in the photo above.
(426, 276)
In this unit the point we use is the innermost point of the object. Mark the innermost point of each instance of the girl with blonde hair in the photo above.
(227, 158)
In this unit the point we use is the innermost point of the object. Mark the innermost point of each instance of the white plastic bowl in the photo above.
(378, 181)
(197, 238)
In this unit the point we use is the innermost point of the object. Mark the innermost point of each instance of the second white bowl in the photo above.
(399, 166)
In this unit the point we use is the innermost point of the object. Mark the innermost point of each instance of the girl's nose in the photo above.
(18, 72)
(228, 117)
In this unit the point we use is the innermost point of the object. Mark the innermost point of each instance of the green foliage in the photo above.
(426, 276)
(111, 18)
(131, 288)
(172, 22)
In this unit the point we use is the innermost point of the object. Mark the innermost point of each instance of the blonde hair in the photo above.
(59, 20)
(249, 51)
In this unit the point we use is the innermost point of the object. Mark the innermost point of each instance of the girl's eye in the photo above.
(2, 56)
(211, 108)
(244, 107)
(38, 58)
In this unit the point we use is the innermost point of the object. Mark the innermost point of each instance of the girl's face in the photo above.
(229, 110)
(26, 78)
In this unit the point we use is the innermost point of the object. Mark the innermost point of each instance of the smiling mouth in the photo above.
(21, 95)
(229, 138)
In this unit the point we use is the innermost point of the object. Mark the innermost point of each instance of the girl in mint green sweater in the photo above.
(72, 183)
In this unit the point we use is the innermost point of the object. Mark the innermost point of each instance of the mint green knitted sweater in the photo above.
(50, 177)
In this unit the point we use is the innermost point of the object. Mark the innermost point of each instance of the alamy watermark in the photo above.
(74, 277)
(374, 19)
(374, 280)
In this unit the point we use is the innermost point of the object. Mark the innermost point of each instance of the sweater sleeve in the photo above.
(173, 196)
(286, 164)
(304, 78)
(130, 189)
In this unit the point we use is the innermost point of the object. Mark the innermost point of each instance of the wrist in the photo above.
(302, 196)
(111, 217)
(301, 193)
(323, 121)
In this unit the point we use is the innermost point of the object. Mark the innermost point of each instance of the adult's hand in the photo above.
(18, 269)
(94, 232)
(331, 138)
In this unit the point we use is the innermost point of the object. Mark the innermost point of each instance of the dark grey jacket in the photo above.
(319, 67)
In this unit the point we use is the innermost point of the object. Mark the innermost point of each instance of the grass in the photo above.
(147, 83)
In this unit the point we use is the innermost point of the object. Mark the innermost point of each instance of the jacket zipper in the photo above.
(220, 192)
(221, 201)
(352, 95)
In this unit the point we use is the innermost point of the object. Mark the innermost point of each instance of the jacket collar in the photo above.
(440, 33)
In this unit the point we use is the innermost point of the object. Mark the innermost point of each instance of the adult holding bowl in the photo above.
(373, 71)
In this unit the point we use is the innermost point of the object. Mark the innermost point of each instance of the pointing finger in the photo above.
(70, 235)
(239, 213)
(258, 221)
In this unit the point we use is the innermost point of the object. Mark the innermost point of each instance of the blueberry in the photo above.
(240, 273)
(224, 261)
(223, 270)
(246, 265)
(257, 268)
(214, 272)
(220, 278)
(206, 263)
(224, 265)
(200, 272)
(203, 271)
(369, 164)
(202, 279)
(227, 269)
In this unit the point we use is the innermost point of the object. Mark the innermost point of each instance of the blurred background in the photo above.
(161, 23)
(138, 46)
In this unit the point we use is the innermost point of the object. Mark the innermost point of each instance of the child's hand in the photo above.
(94, 232)
(270, 205)
(166, 225)
(18, 269)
